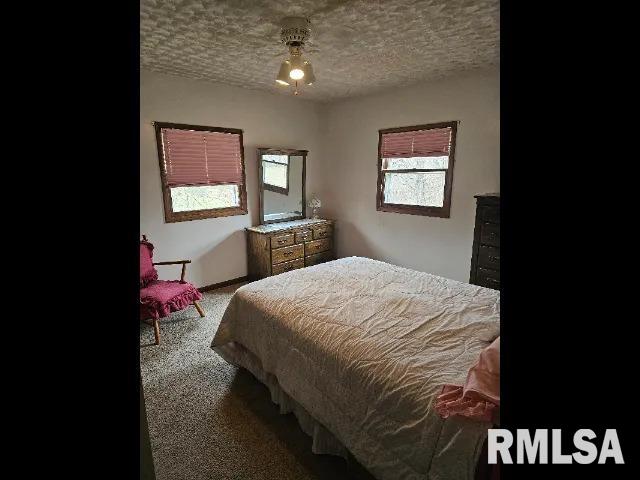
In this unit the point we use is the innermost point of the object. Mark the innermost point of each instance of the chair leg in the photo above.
(199, 308)
(156, 330)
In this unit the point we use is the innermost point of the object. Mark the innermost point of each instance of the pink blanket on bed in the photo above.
(479, 397)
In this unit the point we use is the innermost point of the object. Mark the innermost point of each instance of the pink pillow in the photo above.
(148, 272)
(479, 397)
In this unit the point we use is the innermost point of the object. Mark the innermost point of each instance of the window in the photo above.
(202, 171)
(415, 169)
(275, 171)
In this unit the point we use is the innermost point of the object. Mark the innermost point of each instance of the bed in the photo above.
(359, 349)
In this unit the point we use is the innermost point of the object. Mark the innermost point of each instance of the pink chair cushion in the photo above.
(148, 273)
(479, 397)
(159, 298)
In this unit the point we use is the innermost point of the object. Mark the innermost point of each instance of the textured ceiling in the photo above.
(356, 47)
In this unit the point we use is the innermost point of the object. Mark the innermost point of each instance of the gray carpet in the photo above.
(210, 420)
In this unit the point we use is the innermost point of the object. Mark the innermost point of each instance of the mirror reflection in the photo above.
(282, 185)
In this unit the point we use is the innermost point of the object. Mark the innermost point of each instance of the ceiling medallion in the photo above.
(296, 69)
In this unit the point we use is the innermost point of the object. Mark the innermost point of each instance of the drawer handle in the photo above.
(290, 267)
(493, 280)
(494, 259)
(280, 242)
(286, 254)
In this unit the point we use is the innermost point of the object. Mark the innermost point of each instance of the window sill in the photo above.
(173, 217)
(439, 212)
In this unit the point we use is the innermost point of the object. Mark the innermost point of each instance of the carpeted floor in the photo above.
(210, 420)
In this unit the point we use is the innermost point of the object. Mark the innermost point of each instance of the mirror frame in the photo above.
(282, 151)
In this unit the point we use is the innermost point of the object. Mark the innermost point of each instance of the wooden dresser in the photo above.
(485, 260)
(279, 247)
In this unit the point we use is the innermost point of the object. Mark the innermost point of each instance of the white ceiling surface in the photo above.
(356, 47)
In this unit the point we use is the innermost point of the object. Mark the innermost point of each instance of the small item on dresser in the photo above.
(315, 204)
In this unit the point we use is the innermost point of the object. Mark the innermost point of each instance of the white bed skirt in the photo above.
(324, 442)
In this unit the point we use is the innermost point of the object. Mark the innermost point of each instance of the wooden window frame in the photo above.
(172, 217)
(441, 212)
(275, 188)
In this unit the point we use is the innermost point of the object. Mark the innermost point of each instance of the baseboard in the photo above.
(226, 283)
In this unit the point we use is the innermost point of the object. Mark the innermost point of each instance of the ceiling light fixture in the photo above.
(309, 77)
(295, 31)
(283, 74)
(296, 65)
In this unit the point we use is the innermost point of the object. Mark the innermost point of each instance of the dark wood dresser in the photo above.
(485, 260)
(279, 247)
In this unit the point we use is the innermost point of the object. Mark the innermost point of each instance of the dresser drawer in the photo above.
(488, 278)
(490, 234)
(489, 214)
(317, 246)
(318, 258)
(282, 240)
(489, 257)
(287, 266)
(304, 236)
(322, 232)
(280, 255)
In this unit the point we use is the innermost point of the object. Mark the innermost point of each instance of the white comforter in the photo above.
(365, 348)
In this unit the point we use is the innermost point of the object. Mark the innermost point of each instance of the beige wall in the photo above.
(342, 140)
(435, 245)
(216, 246)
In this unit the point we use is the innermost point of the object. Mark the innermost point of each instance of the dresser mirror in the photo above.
(282, 184)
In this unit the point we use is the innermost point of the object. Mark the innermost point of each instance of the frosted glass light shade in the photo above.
(309, 77)
(283, 74)
(297, 67)
(314, 202)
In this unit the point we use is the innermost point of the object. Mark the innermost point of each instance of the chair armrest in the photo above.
(175, 262)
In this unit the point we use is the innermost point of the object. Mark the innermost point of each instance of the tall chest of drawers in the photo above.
(485, 259)
(279, 247)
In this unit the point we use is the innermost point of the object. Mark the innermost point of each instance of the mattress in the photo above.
(363, 348)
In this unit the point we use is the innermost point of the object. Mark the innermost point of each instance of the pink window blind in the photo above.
(434, 142)
(201, 158)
